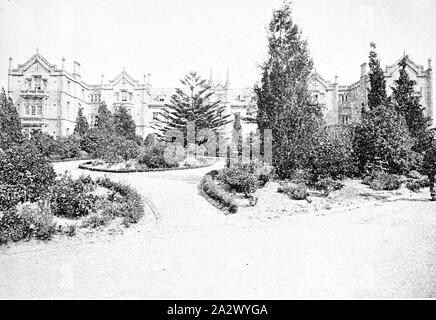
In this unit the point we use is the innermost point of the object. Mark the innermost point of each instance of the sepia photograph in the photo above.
(203, 150)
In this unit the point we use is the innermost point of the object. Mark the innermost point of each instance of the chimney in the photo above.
(149, 79)
(10, 63)
(63, 63)
(363, 69)
(429, 63)
(102, 79)
(145, 79)
(336, 79)
(76, 69)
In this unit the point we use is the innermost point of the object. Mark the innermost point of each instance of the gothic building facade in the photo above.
(48, 98)
(343, 104)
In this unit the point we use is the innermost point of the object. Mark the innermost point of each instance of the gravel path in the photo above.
(195, 252)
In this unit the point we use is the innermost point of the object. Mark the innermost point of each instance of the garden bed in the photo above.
(120, 167)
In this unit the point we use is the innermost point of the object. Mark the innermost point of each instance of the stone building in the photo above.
(343, 104)
(48, 98)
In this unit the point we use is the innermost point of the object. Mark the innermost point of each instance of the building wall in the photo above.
(56, 96)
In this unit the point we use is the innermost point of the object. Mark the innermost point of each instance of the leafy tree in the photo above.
(82, 125)
(193, 104)
(150, 140)
(124, 124)
(105, 121)
(284, 103)
(10, 124)
(408, 105)
(377, 92)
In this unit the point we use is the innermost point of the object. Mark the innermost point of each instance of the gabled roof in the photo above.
(37, 58)
(390, 69)
(316, 77)
(124, 75)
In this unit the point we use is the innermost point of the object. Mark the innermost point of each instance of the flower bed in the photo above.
(105, 168)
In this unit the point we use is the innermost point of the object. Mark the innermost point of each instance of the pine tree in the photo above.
(377, 92)
(82, 125)
(192, 104)
(408, 105)
(284, 103)
(10, 124)
(124, 124)
(105, 121)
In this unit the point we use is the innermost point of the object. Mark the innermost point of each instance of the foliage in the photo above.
(93, 141)
(124, 125)
(377, 93)
(193, 104)
(24, 221)
(82, 125)
(212, 190)
(416, 184)
(332, 154)
(73, 198)
(154, 157)
(10, 124)
(25, 175)
(60, 149)
(429, 163)
(105, 120)
(382, 136)
(327, 185)
(245, 177)
(117, 149)
(380, 180)
(124, 201)
(408, 105)
(294, 191)
(283, 99)
(150, 140)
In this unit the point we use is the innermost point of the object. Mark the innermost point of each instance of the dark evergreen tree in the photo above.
(193, 104)
(124, 125)
(10, 124)
(284, 103)
(237, 136)
(105, 121)
(82, 125)
(377, 92)
(382, 140)
(408, 105)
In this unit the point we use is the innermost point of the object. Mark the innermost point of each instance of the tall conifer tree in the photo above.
(284, 103)
(377, 92)
(124, 124)
(82, 125)
(10, 124)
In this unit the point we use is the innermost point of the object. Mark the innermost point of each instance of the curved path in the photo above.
(195, 252)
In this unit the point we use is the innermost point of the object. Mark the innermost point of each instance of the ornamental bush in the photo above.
(25, 175)
(73, 198)
(213, 191)
(154, 157)
(332, 154)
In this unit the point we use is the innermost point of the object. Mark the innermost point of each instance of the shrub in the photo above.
(332, 154)
(246, 177)
(380, 180)
(39, 219)
(154, 157)
(190, 162)
(124, 201)
(327, 185)
(92, 141)
(73, 198)
(416, 185)
(225, 201)
(25, 175)
(294, 191)
(383, 136)
(24, 221)
(239, 179)
(150, 140)
(118, 149)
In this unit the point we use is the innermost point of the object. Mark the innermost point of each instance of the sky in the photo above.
(168, 38)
